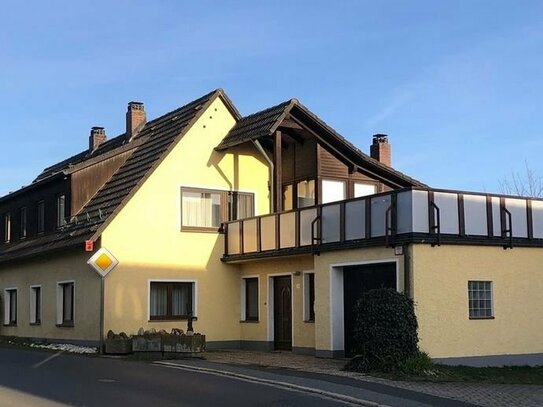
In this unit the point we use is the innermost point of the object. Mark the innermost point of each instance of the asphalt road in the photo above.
(28, 378)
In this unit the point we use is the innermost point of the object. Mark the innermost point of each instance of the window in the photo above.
(207, 209)
(309, 297)
(364, 189)
(306, 193)
(288, 197)
(332, 190)
(480, 299)
(10, 306)
(22, 223)
(7, 227)
(35, 304)
(250, 302)
(41, 217)
(65, 303)
(61, 210)
(171, 300)
(242, 205)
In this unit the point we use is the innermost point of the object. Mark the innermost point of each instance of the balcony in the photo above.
(394, 218)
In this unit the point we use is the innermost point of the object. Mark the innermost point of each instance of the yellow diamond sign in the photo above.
(103, 261)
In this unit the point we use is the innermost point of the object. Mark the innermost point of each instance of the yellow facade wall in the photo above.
(440, 284)
(146, 238)
(303, 332)
(66, 266)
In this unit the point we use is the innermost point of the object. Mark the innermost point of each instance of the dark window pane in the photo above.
(251, 296)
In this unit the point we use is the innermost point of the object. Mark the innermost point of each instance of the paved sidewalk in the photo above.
(490, 395)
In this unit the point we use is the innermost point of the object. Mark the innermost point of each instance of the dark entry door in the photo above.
(282, 313)
(356, 281)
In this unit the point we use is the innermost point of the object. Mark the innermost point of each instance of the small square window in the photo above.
(480, 300)
(171, 300)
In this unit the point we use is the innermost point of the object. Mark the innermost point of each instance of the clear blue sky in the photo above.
(457, 85)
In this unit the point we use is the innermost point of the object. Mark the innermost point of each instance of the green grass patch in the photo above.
(421, 368)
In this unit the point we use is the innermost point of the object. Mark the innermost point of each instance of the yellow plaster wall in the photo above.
(440, 283)
(47, 273)
(146, 239)
(323, 264)
(304, 332)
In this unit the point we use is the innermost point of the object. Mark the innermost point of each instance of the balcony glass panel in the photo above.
(233, 238)
(287, 229)
(537, 219)
(519, 220)
(405, 212)
(330, 223)
(475, 219)
(250, 236)
(496, 216)
(306, 217)
(379, 205)
(355, 220)
(448, 208)
(420, 212)
(267, 232)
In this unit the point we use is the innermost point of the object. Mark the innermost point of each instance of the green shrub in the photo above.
(385, 331)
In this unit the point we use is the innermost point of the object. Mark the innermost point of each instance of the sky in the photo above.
(457, 85)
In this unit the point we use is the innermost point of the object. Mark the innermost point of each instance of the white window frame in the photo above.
(172, 280)
(306, 305)
(243, 311)
(491, 316)
(32, 298)
(7, 306)
(329, 189)
(60, 302)
(363, 189)
(7, 227)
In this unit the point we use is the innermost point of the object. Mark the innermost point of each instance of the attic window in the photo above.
(61, 210)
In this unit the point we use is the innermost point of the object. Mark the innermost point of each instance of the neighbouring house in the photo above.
(267, 229)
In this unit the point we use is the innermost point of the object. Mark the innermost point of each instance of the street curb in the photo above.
(286, 385)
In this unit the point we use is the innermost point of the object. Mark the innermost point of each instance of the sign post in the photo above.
(102, 262)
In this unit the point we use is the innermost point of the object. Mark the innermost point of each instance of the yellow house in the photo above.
(267, 229)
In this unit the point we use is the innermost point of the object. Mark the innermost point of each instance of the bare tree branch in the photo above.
(527, 183)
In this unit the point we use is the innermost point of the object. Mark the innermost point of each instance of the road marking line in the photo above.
(284, 385)
(43, 362)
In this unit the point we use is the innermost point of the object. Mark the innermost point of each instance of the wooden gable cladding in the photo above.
(299, 161)
(331, 167)
(88, 180)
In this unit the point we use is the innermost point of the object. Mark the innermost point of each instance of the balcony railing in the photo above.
(390, 219)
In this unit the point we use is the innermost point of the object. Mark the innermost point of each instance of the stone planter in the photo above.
(172, 345)
(118, 346)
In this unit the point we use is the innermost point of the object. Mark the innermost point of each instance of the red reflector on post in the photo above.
(89, 245)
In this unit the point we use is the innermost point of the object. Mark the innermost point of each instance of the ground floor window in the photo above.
(480, 299)
(171, 300)
(250, 302)
(10, 306)
(309, 297)
(65, 303)
(35, 304)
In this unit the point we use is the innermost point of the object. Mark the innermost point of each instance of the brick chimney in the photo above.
(135, 119)
(380, 149)
(97, 137)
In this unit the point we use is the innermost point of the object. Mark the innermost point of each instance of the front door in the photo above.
(356, 281)
(282, 313)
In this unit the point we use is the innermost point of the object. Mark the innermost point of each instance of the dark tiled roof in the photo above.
(265, 122)
(104, 148)
(156, 138)
(256, 125)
